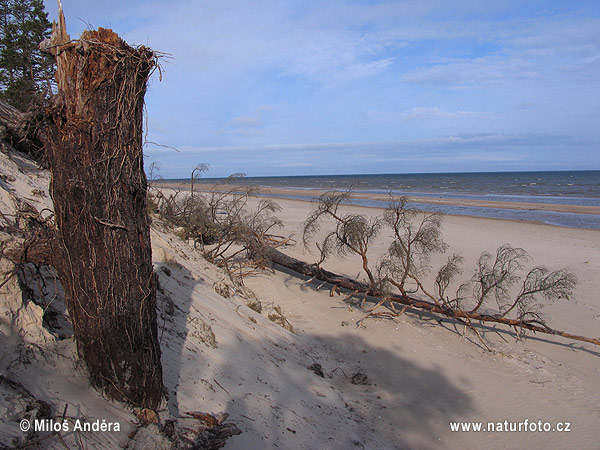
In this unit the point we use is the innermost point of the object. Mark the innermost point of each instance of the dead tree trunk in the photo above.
(19, 130)
(13, 120)
(313, 271)
(94, 148)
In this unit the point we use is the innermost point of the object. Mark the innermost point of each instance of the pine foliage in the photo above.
(25, 71)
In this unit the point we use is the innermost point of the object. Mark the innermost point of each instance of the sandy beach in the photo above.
(418, 376)
(365, 225)
(427, 375)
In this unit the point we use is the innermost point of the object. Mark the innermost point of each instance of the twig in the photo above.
(110, 224)
(219, 384)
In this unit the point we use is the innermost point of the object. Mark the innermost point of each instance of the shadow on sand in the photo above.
(279, 403)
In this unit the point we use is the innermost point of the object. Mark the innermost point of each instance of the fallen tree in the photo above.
(398, 275)
(356, 287)
(229, 233)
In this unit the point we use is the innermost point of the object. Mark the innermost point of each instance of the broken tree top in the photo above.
(103, 38)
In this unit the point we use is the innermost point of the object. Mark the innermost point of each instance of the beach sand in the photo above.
(427, 375)
(421, 375)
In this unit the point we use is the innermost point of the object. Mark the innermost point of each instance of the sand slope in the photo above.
(219, 355)
(428, 375)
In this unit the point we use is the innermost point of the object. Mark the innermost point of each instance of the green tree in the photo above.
(25, 71)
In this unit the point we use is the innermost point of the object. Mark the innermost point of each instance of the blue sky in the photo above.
(347, 87)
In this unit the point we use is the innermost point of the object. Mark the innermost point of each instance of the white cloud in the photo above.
(221, 37)
(475, 73)
(441, 144)
(426, 113)
(445, 153)
(543, 51)
(437, 112)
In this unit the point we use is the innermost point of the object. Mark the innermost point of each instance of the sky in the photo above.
(297, 87)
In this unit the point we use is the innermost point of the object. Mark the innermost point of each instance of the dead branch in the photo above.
(313, 271)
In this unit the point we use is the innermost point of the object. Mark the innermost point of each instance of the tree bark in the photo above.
(93, 142)
(313, 271)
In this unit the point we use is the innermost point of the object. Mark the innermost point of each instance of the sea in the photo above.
(556, 187)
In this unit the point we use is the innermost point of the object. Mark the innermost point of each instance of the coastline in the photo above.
(516, 211)
(275, 192)
(422, 374)
(429, 371)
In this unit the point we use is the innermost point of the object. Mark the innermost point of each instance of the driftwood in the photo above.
(93, 143)
(339, 281)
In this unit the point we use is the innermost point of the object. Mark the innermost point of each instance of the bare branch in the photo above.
(446, 274)
(417, 235)
(498, 277)
(352, 234)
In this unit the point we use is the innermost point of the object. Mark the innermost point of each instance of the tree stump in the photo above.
(93, 144)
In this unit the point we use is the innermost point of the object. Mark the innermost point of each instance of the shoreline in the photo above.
(276, 192)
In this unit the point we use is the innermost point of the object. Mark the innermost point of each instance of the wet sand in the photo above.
(278, 192)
